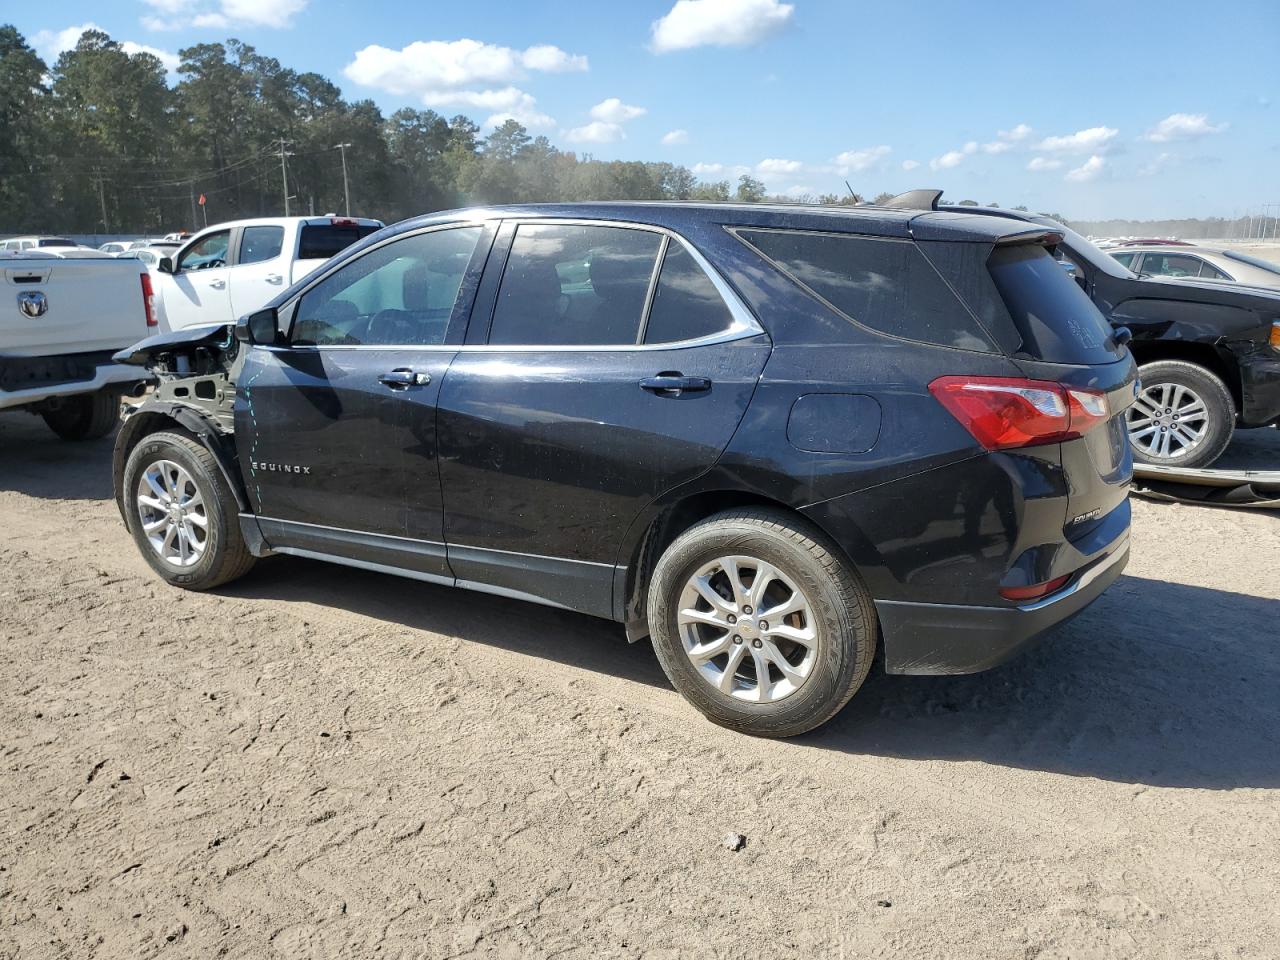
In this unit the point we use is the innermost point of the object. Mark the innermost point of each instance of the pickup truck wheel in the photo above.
(759, 623)
(1184, 416)
(85, 417)
(182, 513)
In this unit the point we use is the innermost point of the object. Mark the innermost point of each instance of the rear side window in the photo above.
(566, 284)
(887, 285)
(1125, 258)
(686, 304)
(55, 242)
(320, 241)
(259, 244)
(1054, 319)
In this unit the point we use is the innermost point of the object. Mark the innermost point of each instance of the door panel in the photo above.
(554, 453)
(198, 293)
(261, 270)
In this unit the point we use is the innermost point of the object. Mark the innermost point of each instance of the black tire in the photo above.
(84, 417)
(1218, 402)
(844, 619)
(225, 556)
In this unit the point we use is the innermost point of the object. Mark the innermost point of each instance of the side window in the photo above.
(686, 304)
(1171, 265)
(207, 252)
(401, 293)
(258, 244)
(1124, 259)
(887, 285)
(574, 285)
(1210, 272)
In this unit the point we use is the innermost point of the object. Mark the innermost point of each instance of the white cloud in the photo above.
(275, 14)
(427, 67)
(910, 164)
(1093, 140)
(1016, 135)
(997, 146)
(597, 131)
(1183, 126)
(855, 161)
(719, 169)
(614, 110)
(673, 137)
(507, 103)
(51, 43)
(1039, 164)
(721, 23)
(1091, 169)
(953, 158)
(1157, 165)
(774, 167)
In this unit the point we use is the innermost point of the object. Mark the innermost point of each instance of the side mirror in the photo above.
(259, 328)
(166, 265)
(1123, 335)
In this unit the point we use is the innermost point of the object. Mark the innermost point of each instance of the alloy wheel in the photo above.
(1167, 421)
(748, 629)
(173, 515)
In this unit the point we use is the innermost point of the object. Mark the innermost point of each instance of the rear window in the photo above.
(886, 285)
(1054, 319)
(320, 241)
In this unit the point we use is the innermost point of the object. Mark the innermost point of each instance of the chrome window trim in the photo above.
(744, 324)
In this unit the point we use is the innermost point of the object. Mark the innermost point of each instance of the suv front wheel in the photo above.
(759, 623)
(1184, 416)
(182, 513)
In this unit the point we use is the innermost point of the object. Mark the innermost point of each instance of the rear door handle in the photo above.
(674, 384)
(274, 278)
(404, 377)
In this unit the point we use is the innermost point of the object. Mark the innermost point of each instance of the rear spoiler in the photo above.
(925, 199)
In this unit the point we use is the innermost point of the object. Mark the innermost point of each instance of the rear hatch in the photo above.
(1052, 331)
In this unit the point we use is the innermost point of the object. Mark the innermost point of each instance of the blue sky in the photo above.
(1091, 109)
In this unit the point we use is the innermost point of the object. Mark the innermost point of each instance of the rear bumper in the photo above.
(85, 378)
(944, 638)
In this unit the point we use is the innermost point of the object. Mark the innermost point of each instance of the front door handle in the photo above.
(217, 284)
(402, 377)
(274, 278)
(674, 384)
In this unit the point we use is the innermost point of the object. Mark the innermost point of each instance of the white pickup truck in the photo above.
(231, 269)
(61, 319)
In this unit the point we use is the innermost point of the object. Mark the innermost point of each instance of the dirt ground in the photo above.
(321, 762)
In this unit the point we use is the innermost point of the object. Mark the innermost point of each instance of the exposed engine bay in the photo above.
(194, 368)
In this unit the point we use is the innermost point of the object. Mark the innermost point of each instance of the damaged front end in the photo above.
(195, 374)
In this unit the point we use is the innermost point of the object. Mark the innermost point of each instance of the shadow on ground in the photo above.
(35, 462)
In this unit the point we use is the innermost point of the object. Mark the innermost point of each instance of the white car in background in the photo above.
(231, 269)
(48, 244)
(1199, 263)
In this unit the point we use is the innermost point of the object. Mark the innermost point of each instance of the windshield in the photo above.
(1252, 261)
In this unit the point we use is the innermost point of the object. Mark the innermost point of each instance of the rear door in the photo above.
(336, 430)
(261, 268)
(616, 366)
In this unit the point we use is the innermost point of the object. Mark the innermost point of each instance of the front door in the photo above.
(196, 292)
(336, 430)
(586, 404)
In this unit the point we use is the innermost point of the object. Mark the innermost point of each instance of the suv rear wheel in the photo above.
(1183, 417)
(759, 623)
(182, 513)
(85, 416)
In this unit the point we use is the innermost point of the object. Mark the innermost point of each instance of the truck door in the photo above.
(196, 292)
(261, 268)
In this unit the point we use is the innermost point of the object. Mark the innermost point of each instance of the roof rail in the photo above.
(924, 199)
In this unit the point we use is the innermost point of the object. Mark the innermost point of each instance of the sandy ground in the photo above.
(318, 762)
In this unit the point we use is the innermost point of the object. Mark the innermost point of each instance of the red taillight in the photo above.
(149, 300)
(1035, 591)
(1004, 413)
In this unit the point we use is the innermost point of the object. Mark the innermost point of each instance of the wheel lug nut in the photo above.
(756, 643)
(732, 618)
(746, 610)
(764, 624)
(736, 638)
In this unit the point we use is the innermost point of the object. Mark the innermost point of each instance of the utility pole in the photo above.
(102, 200)
(284, 175)
(191, 189)
(346, 189)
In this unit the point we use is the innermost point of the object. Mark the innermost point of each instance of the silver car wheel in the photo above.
(748, 629)
(1167, 421)
(173, 515)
